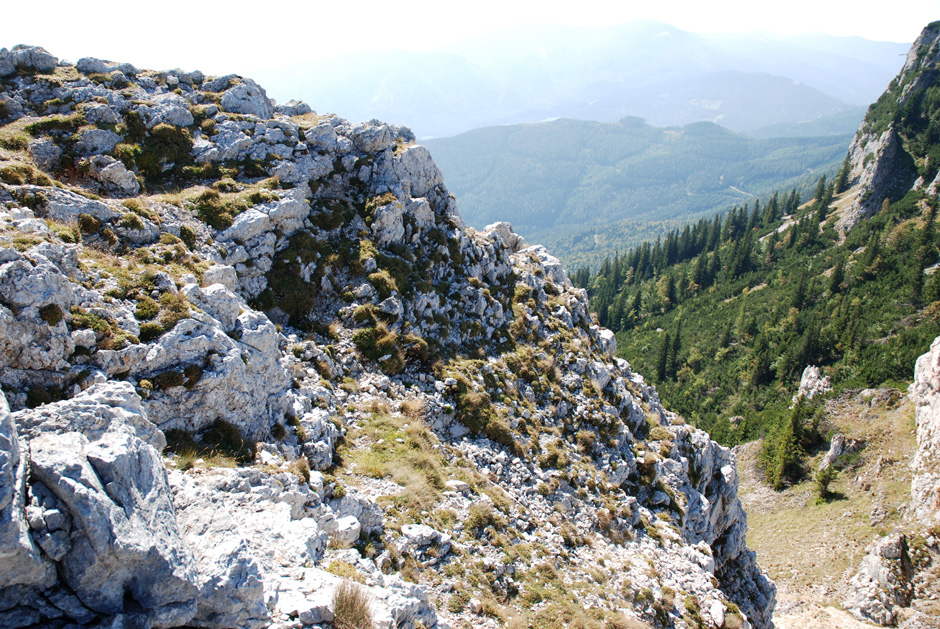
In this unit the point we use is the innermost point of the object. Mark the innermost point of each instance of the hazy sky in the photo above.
(241, 37)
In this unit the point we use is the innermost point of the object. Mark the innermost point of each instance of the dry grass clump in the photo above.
(413, 408)
(352, 607)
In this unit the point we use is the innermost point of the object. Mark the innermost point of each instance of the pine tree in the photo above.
(872, 257)
(842, 180)
(798, 299)
(637, 304)
(838, 276)
(674, 350)
(714, 267)
(663, 363)
(754, 221)
(725, 340)
(700, 274)
(668, 290)
(770, 210)
(820, 190)
(771, 248)
(783, 453)
(761, 371)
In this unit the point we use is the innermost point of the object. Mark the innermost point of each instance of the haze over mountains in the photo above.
(745, 82)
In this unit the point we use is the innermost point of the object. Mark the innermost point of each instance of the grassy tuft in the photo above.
(352, 607)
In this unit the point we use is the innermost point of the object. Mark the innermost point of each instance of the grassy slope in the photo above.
(811, 548)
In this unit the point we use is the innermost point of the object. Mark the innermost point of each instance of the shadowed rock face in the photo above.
(883, 163)
(311, 283)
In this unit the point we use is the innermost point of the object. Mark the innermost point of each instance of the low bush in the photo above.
(147, 309)
(56, 123)
(474, 410)
(51, 314)
(88, 224)
(150, 331)
(19, 174)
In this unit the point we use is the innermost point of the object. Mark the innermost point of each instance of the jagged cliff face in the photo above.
(894, 149)
(403, 401)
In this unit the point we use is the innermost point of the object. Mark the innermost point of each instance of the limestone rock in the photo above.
(96, 141)
(416, 168)
(321, 436)
(247, 98)
(217, 301)
(505, 233)
(323, 136)
(925, 393)
(372, 138)
(7, 64)
(21, 562)
(27, 58)
(97, 455)
(839, 446)
(241, 381)
(387, 226)
(883, 583)
(45, 153)
(293, 108)
(221, 274)
(32, 283)
(65, 206)
(99, 113)
(113, 175)
(247, 225)
(812, 383)
(91, 65)
(166, 109)
(230, 579)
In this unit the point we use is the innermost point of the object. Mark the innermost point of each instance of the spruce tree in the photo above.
(820, 190)
(674, 350)
(842, 180)
(663, 363)
(838, 276)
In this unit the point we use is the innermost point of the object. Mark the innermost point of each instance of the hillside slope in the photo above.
(364, 408)
(587, 189)
(843, 502)
(777, 284)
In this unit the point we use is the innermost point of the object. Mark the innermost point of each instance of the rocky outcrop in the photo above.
(18, 547)
(883, 159)
(839, 447)
(881, 169)
(812, 383)
(100, 510)
(925, 393)
(312, 302)
(884, 584)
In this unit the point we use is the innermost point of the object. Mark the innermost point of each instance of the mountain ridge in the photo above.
(259, 373)
(492, 90)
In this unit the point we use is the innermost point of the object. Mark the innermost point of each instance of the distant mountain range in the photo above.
(745, 82)
(588, 189)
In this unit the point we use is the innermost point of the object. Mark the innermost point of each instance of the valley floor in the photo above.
(811, 548)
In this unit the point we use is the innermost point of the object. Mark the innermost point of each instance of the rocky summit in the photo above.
(258, 373)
